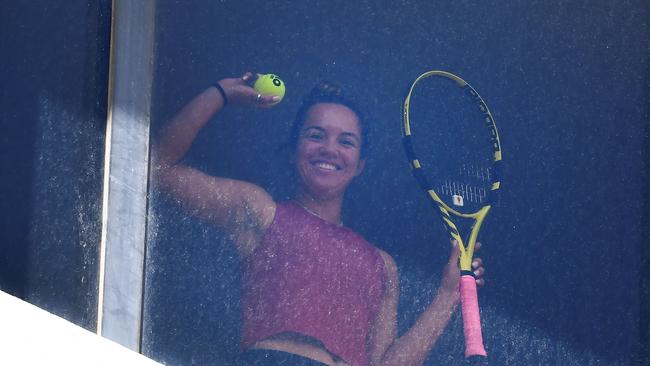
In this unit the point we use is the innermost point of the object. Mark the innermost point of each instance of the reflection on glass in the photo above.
(53, 99)
(220, 252)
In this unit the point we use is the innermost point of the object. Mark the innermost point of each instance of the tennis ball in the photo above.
(269, 84)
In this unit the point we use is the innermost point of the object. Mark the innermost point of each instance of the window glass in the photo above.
(567, 88)
(54, 77)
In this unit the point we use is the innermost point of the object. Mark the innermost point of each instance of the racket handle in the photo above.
(471, 317)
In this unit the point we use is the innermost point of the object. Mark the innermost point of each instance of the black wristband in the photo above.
(222, 92)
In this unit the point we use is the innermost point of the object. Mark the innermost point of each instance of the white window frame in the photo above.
(126, 173)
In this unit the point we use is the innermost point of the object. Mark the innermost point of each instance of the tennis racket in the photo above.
(453, 148)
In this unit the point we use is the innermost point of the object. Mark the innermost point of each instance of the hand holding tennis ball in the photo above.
(270, 84)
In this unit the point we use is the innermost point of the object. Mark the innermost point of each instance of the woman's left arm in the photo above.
(414, 345)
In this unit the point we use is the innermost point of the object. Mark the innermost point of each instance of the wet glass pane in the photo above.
(54, 77)
(566, 83)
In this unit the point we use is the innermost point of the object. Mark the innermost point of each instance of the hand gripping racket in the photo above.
(452, 144)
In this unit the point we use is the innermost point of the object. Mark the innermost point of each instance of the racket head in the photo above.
(453, 146)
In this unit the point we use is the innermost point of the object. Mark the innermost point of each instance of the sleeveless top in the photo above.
(315, 278)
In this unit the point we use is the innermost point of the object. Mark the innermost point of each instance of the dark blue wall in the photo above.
(567, 83)
(53, 98)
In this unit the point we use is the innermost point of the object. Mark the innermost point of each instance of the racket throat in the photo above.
(467, 273)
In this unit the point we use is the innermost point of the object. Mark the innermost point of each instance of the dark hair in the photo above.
(325, 92)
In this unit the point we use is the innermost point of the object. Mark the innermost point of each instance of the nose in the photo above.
(328, 148)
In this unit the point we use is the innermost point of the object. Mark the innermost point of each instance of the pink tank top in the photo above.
(315, 278)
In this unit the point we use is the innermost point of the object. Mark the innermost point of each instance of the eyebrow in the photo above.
(320, 129)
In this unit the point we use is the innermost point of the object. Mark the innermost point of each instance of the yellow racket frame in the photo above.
(466, 249)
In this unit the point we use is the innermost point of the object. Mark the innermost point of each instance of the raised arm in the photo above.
(242, 209)
(414, 345)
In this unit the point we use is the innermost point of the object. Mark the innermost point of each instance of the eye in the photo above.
(314, 135)
(348, 143)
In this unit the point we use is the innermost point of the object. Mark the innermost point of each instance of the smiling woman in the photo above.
(328, 157)
(313, 291)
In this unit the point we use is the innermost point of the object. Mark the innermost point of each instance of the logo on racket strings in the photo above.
(457, 200)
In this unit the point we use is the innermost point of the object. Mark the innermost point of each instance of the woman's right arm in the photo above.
(242, 209)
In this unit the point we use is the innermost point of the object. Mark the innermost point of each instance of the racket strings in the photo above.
(451, 141)
(475, 192)
(463, 193)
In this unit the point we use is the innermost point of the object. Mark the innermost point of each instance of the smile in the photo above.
(326, 166)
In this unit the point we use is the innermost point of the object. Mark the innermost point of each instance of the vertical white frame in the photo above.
(126, 170)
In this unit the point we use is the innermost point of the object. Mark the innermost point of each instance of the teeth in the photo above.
(326, 166)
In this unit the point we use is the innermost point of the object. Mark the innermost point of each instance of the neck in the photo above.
(327, 209)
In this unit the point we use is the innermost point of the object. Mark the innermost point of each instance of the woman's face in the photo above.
(327, 156)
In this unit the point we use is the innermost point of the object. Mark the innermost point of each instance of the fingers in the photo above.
(248, 77)
(479, 271)
(265, 101)
(240, 91)
(477, 263)
(254, 98)
(454, 255)
(451, 271)
(477, 267)
(454, 247)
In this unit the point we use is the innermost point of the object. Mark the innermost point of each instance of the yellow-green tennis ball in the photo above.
(269, 84)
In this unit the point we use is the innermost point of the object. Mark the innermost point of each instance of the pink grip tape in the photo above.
(471, 317)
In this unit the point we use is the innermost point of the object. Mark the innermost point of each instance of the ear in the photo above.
(362, 164)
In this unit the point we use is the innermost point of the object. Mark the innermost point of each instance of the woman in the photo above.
(313, 291)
